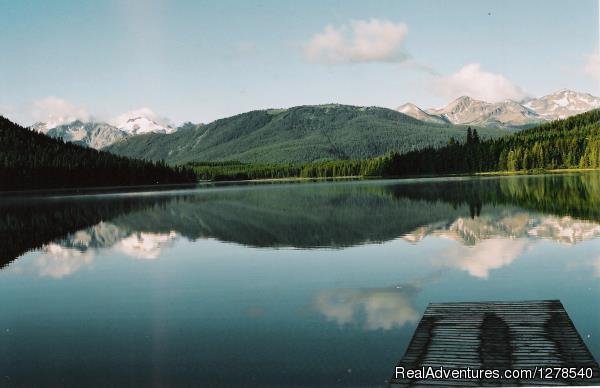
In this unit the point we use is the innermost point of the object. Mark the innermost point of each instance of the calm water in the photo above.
(297, 284)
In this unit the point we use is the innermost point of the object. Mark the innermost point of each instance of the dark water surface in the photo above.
(291, 284)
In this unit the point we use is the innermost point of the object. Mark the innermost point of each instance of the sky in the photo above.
(203, 60)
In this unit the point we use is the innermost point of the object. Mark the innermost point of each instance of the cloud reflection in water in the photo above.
(487, 255)
(372, 308)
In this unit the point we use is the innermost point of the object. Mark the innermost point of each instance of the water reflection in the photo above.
(596, 267)
(371, 308)
(488, 255)
(30, 223)
(487, 214)
(174, 288)
(68, 255)
(57, 261)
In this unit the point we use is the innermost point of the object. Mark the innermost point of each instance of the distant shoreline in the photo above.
(67, 191)
(98, 190)
(360, 177)
(537, 172)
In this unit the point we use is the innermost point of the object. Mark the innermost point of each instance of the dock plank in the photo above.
(497, 335)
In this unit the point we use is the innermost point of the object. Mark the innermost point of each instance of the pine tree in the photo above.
(475, 137)
(469, 136)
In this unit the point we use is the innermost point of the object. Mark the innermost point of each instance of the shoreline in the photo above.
(362, 177)
(98, 190)
(66, 191)
(536, 172)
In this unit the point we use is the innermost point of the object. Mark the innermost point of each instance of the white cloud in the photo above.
(362, 41)
(56, 111)
(471, 80)
(592, 66)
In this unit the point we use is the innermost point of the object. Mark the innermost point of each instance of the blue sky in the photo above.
(202, 60)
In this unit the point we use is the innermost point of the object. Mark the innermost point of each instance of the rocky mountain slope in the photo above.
(508, 114)
(90, 134)
(562, 104)
(414, 111)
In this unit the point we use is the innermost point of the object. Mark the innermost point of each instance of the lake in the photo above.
(278, 284)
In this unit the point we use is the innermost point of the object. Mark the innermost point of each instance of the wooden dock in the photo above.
(497, 335)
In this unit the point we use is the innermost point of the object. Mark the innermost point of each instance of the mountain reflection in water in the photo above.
(471, 211)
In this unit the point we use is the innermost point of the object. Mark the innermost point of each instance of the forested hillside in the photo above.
(30, 160)
(295, 135)
(569, 143)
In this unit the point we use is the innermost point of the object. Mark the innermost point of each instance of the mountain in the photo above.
(563, 104)
(414, 111)
(140, 124)
(467, 111)
(508, 114)
(97, 134)
(89, 134)
(31, 160)
(298, 134)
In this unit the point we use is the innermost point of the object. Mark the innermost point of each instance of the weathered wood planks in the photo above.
(497, 336)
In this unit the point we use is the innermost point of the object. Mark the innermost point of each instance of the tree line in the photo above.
(233, 170)
(31, 160)
(569, 143)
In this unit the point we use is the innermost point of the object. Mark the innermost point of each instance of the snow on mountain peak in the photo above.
(562, 104)
(142, 120)
(99, 134)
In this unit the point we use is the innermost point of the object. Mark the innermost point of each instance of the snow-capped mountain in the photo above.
(467, 111)
(140, 124)
(137, 122)
(97, 134)
(508, 114)
(563, 104)
(90, 134)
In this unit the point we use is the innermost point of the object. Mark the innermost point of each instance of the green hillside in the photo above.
(30, 160)
(295, 135)
(568, 143)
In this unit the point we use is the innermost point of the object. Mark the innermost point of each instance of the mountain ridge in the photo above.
(299, 134)
(99, 134)
(509, 114)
